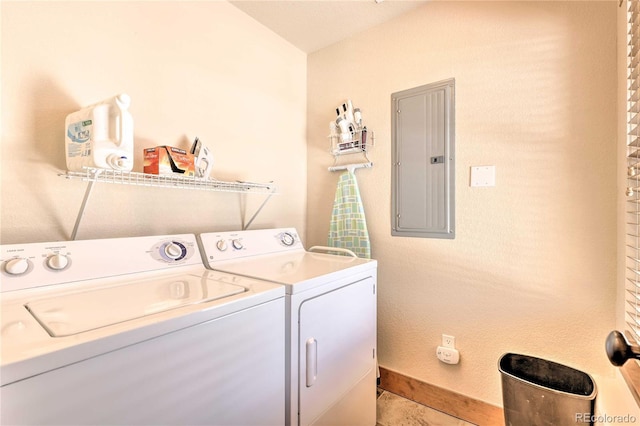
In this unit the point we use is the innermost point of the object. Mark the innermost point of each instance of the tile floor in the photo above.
(394, 410)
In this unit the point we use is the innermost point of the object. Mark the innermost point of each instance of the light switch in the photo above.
(483, 176)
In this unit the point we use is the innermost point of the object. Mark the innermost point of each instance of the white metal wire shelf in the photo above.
(164, 181)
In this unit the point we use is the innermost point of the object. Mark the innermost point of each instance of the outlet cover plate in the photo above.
(448, 341)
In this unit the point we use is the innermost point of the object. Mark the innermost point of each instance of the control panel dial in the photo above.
(287, 239)
(57, 262)
(237, 244)
(174, 250)
(221, 245)
(17, 266)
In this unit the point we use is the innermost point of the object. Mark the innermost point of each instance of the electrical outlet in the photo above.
(448, 341)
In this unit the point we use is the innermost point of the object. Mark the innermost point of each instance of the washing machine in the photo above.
(331, 320)
(136, 331)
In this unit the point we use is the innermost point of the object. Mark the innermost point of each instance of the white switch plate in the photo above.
(483, 176)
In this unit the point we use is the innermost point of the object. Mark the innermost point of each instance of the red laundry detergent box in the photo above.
(163, 160)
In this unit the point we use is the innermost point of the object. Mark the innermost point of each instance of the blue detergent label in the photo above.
(79, 134)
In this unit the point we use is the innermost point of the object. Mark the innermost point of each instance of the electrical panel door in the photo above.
(423, 161)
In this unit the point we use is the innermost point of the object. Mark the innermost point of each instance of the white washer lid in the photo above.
(73, 313)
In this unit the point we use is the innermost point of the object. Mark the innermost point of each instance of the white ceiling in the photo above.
(311, 25)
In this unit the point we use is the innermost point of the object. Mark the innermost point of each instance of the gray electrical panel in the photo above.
(423, 172)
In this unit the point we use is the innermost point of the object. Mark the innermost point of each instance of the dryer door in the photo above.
(337, 353)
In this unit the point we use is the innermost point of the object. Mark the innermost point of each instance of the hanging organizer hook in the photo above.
(351, 167)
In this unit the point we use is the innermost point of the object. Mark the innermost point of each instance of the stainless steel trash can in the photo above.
(537, 392)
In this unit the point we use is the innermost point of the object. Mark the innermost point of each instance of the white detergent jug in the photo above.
(101, 136)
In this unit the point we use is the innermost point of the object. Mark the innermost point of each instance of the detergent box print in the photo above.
(164, 159)
(100, 136)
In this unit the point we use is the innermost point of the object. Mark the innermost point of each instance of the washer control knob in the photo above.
(57, 261)
(237, 244)
(173, 250)
(221, 245)
(17, 266)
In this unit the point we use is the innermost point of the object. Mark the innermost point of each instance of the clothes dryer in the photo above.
(331, 320)
(136, 331)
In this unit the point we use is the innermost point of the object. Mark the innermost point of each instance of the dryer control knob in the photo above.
(237, 244)
(221, 245)
(287, 239)
(17, 266)
(57, 261)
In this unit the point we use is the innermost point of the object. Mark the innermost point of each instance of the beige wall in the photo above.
(533, 266)
(192, 69)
